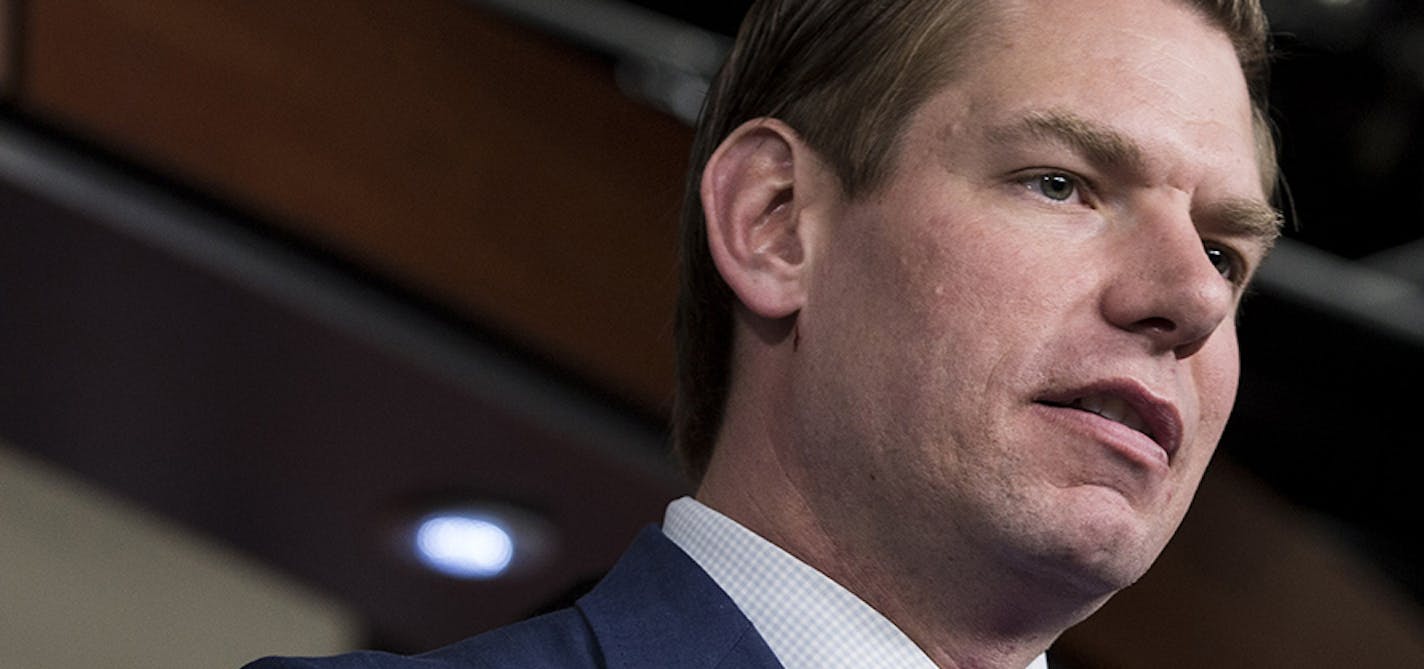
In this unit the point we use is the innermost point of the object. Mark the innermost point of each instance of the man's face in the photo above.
(1023, 345)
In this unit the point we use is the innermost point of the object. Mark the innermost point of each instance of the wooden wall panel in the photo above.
(496, 170)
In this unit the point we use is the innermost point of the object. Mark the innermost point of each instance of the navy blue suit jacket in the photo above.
(656, 608)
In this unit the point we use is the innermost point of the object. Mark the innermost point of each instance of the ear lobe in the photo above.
(754, 231)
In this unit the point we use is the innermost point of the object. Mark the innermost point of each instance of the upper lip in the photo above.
(1162, 420)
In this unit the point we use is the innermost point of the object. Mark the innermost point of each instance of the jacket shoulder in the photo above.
(656, 608)
(559, 640)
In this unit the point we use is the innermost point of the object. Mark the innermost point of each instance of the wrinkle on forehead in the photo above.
(1181, 76)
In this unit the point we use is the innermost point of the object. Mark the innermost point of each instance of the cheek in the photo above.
(1216, 375)
(893, 328)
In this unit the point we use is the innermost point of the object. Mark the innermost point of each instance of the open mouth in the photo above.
(1127, 403)
(1115, 409)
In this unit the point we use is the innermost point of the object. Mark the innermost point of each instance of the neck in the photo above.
(964, 610)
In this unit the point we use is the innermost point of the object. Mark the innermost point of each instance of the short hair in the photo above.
(846, 75)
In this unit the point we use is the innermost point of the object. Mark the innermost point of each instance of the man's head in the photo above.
(847, 76)
(1008, 341)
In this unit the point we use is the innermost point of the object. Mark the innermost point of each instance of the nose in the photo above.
(1164, 287)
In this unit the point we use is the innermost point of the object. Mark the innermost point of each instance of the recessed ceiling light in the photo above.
(480, 542)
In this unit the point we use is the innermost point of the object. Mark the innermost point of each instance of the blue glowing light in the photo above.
(465, 545)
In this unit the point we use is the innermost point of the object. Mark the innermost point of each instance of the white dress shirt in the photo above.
(808, 620)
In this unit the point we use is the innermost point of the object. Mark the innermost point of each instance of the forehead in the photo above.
(1155, 71)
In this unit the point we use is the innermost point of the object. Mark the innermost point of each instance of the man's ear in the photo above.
(752, 202)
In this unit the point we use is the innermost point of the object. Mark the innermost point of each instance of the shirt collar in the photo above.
(808, 620)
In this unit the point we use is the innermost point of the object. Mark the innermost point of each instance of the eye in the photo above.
(1226, 262)
(1055, 186)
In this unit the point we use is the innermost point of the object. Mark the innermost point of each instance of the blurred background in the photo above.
(347, 323)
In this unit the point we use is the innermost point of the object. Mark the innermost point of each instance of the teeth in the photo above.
(1114, 409)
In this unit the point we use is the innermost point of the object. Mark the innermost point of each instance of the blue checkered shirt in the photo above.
(808, 620)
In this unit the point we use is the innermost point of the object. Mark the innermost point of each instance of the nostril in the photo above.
(1189, 349)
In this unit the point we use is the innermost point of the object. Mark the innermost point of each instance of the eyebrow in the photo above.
(1097, 142)
(1244, 217)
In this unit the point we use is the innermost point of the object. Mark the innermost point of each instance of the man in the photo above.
(956, 337)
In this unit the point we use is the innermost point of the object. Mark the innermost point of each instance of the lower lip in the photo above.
(1130, 443)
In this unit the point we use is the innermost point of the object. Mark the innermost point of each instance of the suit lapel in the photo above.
(657, 608)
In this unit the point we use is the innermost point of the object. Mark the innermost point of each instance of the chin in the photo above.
(1096, 551)
(1101, 573)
